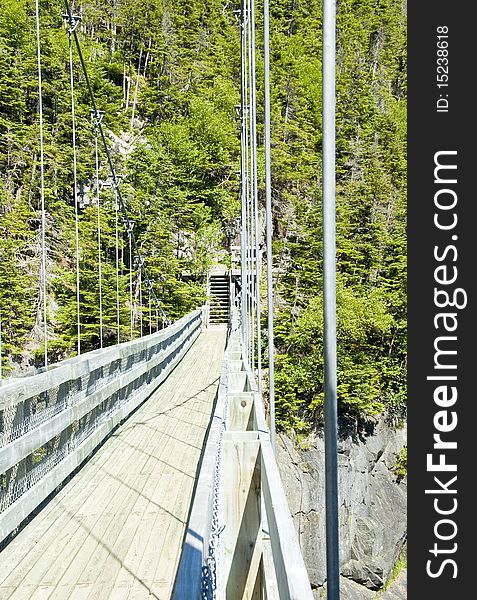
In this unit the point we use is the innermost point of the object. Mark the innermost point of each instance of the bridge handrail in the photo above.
(134, 370)
(257, 547)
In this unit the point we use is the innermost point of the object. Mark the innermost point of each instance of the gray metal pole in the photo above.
(269, 224)
(329, 293)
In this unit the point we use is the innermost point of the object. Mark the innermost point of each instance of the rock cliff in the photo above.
(372, 501)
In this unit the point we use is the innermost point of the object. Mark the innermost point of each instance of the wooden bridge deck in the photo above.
(115, 530)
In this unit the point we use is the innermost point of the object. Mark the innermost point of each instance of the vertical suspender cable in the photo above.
(243, 197)
(329, 294)
(140, 297)
(247, 185)
(98, 204)
(255, 202)
(131, 304)
(42, 185)
(252, 186)
(75, 193)
(1, 357)
(248, 166)
(116, 233)
(269, 223)
(149, 309)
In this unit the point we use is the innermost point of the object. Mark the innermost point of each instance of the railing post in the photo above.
(242, 506)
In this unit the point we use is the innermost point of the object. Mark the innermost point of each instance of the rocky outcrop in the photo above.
(371, 498)
(350, 590)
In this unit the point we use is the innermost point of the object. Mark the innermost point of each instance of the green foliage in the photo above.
(371, 196)
(167, 73)
(400, 468)
(366, 373)
(168, 65)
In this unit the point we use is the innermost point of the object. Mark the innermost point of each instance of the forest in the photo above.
(166, 73)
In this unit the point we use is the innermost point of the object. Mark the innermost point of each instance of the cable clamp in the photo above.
(72, 21)
(128, 225)
(96, 117)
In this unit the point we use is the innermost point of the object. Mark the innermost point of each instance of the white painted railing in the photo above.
(51, 422)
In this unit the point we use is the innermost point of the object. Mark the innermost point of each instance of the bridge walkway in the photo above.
(115, 530)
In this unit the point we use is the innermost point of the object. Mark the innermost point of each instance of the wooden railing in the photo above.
(240, 541)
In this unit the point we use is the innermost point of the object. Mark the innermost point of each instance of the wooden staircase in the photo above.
(219, 290)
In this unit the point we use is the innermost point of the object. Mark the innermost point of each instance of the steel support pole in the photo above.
(269, 223)
(329, 293)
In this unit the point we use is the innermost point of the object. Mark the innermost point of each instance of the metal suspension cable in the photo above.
(243, 192)
(42, 185)
(1, 355)
(73, 25)
(248, 189)
(149, 309)
(116, 235)
(252, 184)
(140, 297)
(114, 176)
(131, 303)
(269, 223)
(247, 185)
(98, 206)
(255, 199)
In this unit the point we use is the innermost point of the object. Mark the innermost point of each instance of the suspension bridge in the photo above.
(147, 469)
